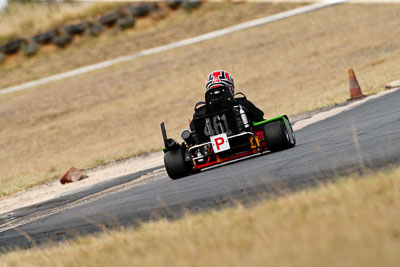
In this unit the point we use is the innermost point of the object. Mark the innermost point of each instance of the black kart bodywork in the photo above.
(223, 134)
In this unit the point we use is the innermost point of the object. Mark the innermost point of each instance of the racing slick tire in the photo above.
(276, 136)
(174, 161)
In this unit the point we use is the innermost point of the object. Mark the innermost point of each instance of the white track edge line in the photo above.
(163, 48)
(30, 218)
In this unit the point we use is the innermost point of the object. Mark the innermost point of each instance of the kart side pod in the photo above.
(278, 133)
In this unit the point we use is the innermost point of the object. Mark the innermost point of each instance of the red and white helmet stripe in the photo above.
(219, 78)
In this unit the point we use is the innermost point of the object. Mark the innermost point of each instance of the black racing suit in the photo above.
(254, 113)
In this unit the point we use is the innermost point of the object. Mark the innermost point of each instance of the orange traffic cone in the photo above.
(72, 175)
(355, 90)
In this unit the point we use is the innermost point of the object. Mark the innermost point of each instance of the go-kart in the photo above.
(223, 134)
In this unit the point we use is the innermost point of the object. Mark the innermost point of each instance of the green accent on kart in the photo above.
(261, 123)
(282, 118)
(164, 149)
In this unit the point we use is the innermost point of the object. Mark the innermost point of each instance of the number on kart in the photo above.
(219, 125)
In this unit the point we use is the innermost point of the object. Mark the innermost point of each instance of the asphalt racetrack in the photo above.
(365, 137)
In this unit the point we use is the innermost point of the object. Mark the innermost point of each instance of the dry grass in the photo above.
(288, 67)
(30, 160)
(26, 19)
(350, 223)
(147, 33)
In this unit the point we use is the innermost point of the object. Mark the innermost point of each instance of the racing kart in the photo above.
(223, 134)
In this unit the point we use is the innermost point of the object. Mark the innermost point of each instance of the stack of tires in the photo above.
(120, 19)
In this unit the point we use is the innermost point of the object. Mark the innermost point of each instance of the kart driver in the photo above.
(220, 78)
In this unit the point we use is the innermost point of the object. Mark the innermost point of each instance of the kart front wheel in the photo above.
(276, 136)
(174, 161)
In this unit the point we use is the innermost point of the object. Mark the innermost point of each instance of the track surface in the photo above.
(367, 136)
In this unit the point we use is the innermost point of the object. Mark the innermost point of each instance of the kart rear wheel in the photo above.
(174, 161)
(276, 136)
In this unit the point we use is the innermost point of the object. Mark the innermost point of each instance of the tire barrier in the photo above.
(62, 39)
(122, 19)
(126, 22)
(30, 48)
(110, 18)
(143, 10)
(76, 29)
(174, 4)
(94, 29)
(45, 38)
(159, 13)
(12, 46)
(190, 5)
